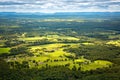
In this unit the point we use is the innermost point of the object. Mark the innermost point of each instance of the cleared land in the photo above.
(4, 50)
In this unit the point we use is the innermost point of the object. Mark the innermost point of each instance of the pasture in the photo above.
(4, 50)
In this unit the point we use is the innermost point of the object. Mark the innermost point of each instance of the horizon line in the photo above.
(62, 12)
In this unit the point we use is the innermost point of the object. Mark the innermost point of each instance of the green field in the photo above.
(4, 50)
(54, 55)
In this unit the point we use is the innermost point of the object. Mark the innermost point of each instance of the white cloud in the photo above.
(113, 8)
(115, 0)
(59, 5)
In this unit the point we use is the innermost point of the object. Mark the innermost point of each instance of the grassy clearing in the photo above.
(53, 46)
(59, 57)
(81, 60)
(59, 53)
(96, 64)
(37, 59)
(59, 63)
(4, 50)
(62, 20)
(12, 27)
(69, 38)
(50, 38)
(115, 43)
(2, 42)
(86, 43)
(57, 50)
(55, 60)
(56, 45)
(41, 58)
(48, 47)
(32, 38)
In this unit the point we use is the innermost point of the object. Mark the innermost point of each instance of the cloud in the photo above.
(60, 5)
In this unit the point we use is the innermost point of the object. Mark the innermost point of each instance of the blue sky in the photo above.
(51, 6)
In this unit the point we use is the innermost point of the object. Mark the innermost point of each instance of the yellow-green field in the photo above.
(4, 50)
(96, 64)
(54, 55)
(54, 38)
(32, 38)
(62, 20)
(115, 43)
(58, 57)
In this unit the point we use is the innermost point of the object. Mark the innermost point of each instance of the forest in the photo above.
(60, 46)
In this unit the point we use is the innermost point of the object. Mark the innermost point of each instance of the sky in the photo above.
(52, 6)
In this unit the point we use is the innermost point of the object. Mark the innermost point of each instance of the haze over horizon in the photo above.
(52, 6)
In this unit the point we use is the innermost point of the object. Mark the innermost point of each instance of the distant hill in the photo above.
(61, 13)
(83, 14)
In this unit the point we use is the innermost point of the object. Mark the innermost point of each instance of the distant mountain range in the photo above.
(61, 13)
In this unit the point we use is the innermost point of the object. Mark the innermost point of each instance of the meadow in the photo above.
(4, 50)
